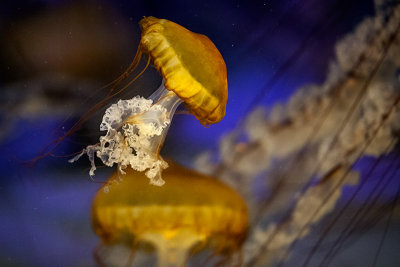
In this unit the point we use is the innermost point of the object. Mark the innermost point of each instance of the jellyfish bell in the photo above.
(191, 64)
(190, 211)
(193, 72)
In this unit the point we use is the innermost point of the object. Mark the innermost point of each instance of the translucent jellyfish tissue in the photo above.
(136, 129)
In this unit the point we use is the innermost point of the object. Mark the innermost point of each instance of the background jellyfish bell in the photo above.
(191, 211)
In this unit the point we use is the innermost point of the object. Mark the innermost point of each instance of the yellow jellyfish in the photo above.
(193, 72)
(190, 211)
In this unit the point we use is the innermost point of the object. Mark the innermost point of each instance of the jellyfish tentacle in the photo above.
(136, 130)
(48, 149)
(135, 62)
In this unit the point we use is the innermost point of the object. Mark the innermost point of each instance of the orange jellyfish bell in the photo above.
(191, 65)
(190, 211)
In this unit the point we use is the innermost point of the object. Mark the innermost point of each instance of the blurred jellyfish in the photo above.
(191, 211)
(194, 72)
(298, 157)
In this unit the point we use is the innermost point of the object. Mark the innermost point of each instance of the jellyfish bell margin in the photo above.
(193, 72)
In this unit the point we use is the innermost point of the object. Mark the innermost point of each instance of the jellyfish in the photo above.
(191, 211)
(325, 158)
(193, 72)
